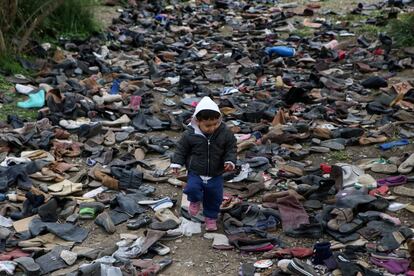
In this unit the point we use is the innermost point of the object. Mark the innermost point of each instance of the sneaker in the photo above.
(298, 267)
(211, 224)
(194, 208)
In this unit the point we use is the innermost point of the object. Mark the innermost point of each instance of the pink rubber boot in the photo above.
(194, 208)
(211, 224)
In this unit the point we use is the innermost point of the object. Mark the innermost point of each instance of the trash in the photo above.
(263, 264)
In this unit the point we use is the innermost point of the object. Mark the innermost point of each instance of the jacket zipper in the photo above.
(208, 151)
(208, 156)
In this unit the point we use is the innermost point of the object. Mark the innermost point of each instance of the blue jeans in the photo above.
(210, 193)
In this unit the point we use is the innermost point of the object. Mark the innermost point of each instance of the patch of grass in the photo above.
(402, 30)
(73, 19)
(9, 65)
(368, 30)
(350, 17)
(304, 32)
(341, 155)
(11, 107)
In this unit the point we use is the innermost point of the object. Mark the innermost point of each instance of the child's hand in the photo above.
(228, 167)
(176, 171)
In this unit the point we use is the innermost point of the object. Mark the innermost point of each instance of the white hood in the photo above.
(206, 103)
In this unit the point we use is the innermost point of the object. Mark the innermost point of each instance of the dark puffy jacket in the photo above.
(206, 156)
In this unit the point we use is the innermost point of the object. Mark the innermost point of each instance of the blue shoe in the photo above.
(36, 100)
(390, 145)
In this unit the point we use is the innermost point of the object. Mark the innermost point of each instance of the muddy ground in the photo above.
(194, 255)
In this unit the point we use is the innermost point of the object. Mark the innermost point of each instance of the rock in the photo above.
(69, 257)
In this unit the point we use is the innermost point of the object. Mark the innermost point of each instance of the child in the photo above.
(207, 149)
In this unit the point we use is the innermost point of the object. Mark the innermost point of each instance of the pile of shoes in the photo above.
(324, 129)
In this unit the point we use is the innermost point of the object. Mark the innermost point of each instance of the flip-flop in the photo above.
(390, 145)
(392, 180)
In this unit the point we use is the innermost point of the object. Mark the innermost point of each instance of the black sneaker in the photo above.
(141, 221)
(297, 267)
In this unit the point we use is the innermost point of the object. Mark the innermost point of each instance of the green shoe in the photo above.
(36, 100)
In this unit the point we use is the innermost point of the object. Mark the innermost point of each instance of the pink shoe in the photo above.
(211, 224)
(194, 208)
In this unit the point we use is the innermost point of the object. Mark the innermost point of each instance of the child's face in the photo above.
(208, 126)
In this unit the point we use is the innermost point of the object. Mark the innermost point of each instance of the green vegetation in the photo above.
(304, 32)
(341, 155)
(20, 21)
(10, 65)
(402, 30)
(370, 31)
(10, 107)
(73, 19)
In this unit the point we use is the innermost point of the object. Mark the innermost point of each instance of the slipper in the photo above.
(229, 202)
(390, 145)
(176, 182)
(384, 168)
(410, 208)
(65, 188)
(407, 165)
(403, 191)
(392, 180)
(381, 191)
(158, 204)
(220, 241)
(395, 266)
(166, 214)
(367, 163)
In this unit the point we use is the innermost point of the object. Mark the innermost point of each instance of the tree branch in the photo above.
(38, 20)
(2, 43)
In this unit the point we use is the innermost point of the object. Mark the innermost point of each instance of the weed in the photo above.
(370, 31)
(304, 32)
(73, 19)
(402, 30)
(340, 155)
(9, 65)
(10, 107)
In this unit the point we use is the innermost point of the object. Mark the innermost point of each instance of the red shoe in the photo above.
(194, 208)
(211, 224)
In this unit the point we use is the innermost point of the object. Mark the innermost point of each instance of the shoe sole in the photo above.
(211, 230)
